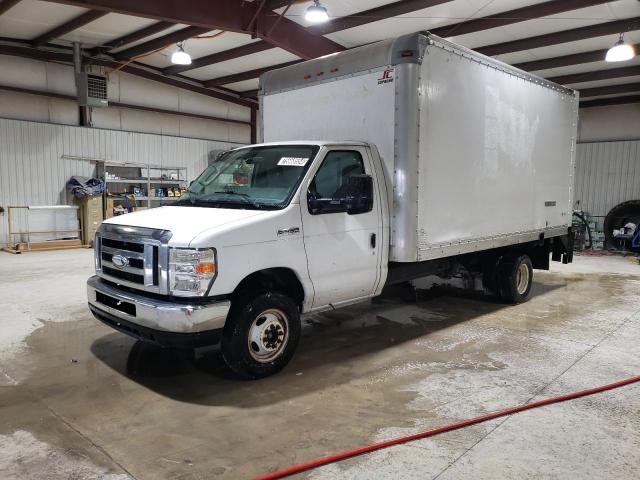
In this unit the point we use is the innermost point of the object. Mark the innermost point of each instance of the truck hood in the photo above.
(184, 222)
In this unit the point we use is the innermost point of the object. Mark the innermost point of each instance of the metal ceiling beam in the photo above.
(610, 90)
(7, 4)
(603, 102)
(65, 56)
(565, 36)
(249, 75)
(373, 15)
(230, 15)
(163, 41)
(137, 35)
(218, 57)
(517, 15)
(563, 60)
(70, 26)
(596, 75)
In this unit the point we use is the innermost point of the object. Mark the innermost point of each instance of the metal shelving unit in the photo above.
(120, 177)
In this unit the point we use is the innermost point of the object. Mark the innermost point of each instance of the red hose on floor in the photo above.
(336, 457)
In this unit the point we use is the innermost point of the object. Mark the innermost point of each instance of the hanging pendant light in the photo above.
(316, 13)
(620, 52)
(180, 57)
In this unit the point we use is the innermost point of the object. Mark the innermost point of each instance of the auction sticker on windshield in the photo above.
(293, 161)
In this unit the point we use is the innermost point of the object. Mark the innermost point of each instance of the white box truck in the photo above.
(383, 164)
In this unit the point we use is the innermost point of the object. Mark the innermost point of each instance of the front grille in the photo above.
(142, 257)
(129, 277)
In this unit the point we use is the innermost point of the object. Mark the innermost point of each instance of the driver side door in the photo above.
(343, 250)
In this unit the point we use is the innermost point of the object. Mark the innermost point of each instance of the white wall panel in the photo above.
(123, 88)
(607, 173)
(35, 161)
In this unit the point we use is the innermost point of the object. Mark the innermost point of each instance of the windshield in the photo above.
(252, 178)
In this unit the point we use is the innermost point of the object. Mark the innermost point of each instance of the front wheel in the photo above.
(515, 277)
(261, 335)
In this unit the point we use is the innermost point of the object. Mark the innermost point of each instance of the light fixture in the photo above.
(180, 57)
(620, 52)
(316, 13)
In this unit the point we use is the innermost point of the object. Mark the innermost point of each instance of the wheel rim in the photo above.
(268, 335)
(522, 281)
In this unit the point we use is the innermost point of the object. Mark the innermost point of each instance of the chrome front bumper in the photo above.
(157, 315)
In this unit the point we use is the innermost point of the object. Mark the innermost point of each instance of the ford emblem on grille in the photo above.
(119, 261)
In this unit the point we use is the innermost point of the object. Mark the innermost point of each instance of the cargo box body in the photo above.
(478, 154)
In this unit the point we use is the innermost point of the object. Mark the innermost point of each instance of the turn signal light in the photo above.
(205, 268)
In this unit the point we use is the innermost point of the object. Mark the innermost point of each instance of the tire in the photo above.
(515, 277)
(261, 335)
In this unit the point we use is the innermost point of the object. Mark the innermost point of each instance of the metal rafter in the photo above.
(163, 41)
(603, 102)
(239, 77)
(596, 75)
(610, 90)
(7, 4)
(70, 26)
(218, 57)
(137, 35)
(517, 15)
(565, 60)
(565, 36)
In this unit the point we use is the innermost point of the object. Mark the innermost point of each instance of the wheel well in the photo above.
(279, 279)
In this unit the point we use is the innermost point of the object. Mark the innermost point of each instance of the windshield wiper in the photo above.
(244, 196)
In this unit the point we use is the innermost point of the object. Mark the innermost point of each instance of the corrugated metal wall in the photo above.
(607, 173)
(37, 159)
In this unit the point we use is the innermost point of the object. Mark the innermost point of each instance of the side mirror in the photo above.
(359, 197)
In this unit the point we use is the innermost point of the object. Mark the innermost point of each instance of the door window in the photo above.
(332, 178)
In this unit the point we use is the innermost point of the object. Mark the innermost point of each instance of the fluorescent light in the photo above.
(620, 52)
(180, 57)
(316, 13)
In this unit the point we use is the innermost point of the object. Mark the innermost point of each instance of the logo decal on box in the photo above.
(386, 77)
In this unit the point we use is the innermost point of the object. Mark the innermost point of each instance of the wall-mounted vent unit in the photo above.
(92, 90)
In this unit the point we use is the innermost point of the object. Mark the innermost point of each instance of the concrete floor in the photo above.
(80, 401)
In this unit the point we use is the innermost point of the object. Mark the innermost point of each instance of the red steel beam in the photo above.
(67, 27)
(596, 75)
(7, 4)
(610, 90)
(163, 41)
(565, 36)
(230, 15)
(249, 75)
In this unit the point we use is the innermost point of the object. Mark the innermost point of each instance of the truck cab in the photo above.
(264, 234)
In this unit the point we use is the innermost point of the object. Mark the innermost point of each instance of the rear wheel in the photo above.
(515, 277)
(261, 335)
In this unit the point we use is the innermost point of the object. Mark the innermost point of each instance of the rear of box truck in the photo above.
(478, 154)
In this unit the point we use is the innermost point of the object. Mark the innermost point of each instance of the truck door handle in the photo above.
(373, 240)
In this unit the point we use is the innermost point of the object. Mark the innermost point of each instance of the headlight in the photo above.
(191, 271)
